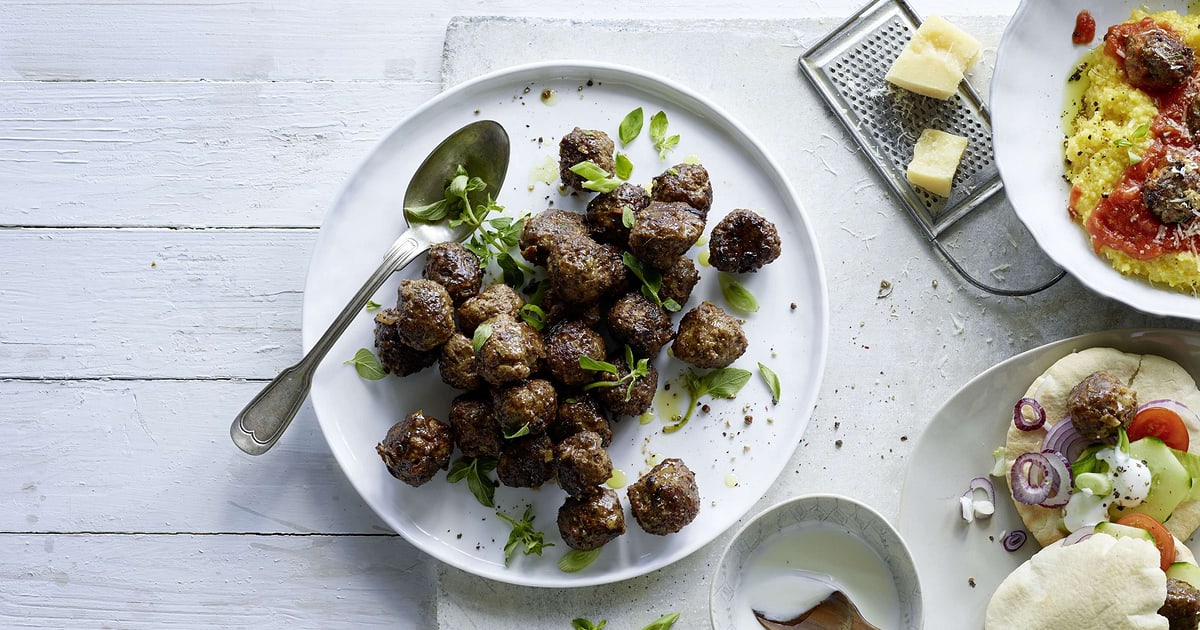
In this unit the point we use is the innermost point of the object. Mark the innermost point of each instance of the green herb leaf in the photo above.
(671, 305)
(534, 316)
(664, 622)
(588, 363)
(623, 166)
(651, 280)
(658, 127)
(513, 275)
(483, 332)
(475, 470)
(522, 432)
(1141, 131)
(523, 536)
(772, 380)
(627, 217)
(373, 306)
(726, 382)
(631, 126)
(595, 178)
(738, 296)
(576, 560)
(429, 213)
(580, 623)
(366, 365)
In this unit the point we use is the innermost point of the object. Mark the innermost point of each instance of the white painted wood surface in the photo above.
(165, 166)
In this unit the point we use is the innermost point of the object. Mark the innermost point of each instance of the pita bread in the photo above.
(1152, 377)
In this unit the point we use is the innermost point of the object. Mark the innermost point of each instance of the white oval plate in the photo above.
(788, 333)
(961, 563)
(1026, 111)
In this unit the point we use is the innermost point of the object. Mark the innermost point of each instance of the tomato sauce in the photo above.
(1121, 220)
(1085, 28)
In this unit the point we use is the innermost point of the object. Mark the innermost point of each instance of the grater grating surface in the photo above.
(848, 67)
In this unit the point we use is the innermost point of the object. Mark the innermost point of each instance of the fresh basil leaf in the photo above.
(523, 535)
(589, 171)
(373, 306)
(513, 275)
(475, 470)
(522, 432)
(666, 146)
(627, 217)
(366, 365)
(772, 380)
(631, 126)
(671, 305)
(460, 469)
(726, 382)
(623, 166)
(737, 295)
(579, 623)
(576, 560)
(430, 213)
(588, 363)
(483, 488)
(663, 623)
(1141, 131)
(658, 127)
(534, 316)
(483, 332)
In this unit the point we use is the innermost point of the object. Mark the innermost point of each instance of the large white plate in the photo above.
(1033, 61)
(961, 564)
(788, 333)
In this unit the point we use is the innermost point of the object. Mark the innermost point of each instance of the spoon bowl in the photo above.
(482, 148)
(835, 612)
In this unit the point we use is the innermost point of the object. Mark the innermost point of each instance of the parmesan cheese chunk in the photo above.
(935, 159)
(934, 61)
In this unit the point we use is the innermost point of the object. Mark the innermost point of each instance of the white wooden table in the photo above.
(165, 168)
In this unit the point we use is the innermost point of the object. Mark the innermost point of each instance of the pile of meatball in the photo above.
(529, 383)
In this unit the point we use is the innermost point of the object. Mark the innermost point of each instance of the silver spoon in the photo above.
(480, 147)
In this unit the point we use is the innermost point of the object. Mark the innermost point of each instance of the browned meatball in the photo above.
(582, 271)
(560, 310)
(1172, 191)
(565, 343)
(663, 232)
(606, 213)
(547, 228)
(621, 399)
(395, 357)
(584, 145)
(532, 403)
(583, 463)
(1193, 119)
(511, 352)
(590, 521)
(742, 242)
(1157, 59)
(475, 428)
(495, 300)
(1182, 606)
(457, 364)
(1100, 405)
(416, 448)
(679, 280)
(426, 314)
(642, 324)
(665, 499)
(526, 462)
(687, 183)
(456, 268)
(709, 337)
(578, 413)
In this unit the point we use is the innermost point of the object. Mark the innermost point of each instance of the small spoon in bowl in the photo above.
(835, 612)
(483, 149)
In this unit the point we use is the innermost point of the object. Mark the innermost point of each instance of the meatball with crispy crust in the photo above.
(1172, 191)
(606, 213)
(532, 404)
(590, 521)
(455, 268)
(582, 271)
(665, 499)
(743, 242)
(663, 232)
(526, 462)
(1101, 404)
(709, 337)
(476, 430)
(495, 300)
(621, 399)
(565, 343)
(416, 448)
(559, 310)
(547, 228)
(583, 463)
(1157, 59)
(678, 281)
(579, 412)
(584, 145)
(512, 351)
(640, 323)
(687, 183)
(425, 313)
(456, 364)
(395, 357)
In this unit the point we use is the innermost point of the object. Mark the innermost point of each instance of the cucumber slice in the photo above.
(1185, 571)
(1123, 531)
(1170, 482)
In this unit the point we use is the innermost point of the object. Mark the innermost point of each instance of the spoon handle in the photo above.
(260, 424)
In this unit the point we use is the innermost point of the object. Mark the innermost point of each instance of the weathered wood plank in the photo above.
(192, 154)
(186, 581)
(155, 456)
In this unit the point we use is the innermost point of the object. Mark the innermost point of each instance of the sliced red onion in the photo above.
(1063, 437)
(1014, 540)
(1061, 493)
(985, 484)
(1188, 416)
(1079, 535)
(1032, 479)
(1023, 423)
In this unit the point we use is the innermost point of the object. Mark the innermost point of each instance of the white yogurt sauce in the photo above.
(793, 570)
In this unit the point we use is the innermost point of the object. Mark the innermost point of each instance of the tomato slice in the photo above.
(1161, 423)
(1162, 538)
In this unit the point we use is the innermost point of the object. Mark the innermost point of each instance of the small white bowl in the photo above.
(837, 519)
